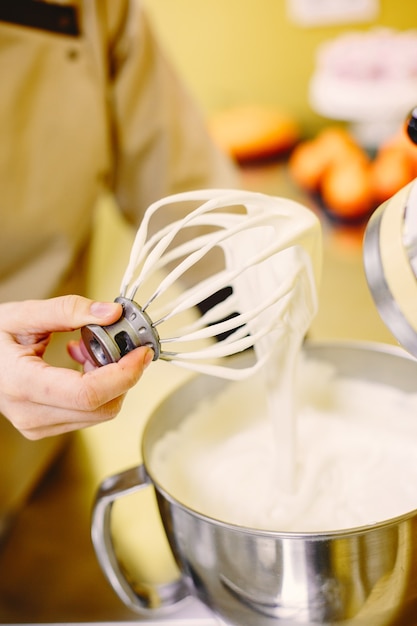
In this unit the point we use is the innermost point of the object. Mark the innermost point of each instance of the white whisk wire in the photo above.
(247, 325)
(270, 250)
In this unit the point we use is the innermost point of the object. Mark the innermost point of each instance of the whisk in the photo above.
(261, 252)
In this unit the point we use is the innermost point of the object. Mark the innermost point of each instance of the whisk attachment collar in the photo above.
(108, 344)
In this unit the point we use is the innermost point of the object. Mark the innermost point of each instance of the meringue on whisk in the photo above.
(261, 253)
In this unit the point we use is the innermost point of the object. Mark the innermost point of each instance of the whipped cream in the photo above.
(355, 459)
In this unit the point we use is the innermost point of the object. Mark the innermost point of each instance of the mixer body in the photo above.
(390, 261)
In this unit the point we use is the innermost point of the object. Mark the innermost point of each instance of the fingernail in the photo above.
(102, 309)
(148, 358)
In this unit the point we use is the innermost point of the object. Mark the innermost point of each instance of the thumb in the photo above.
(64, 313)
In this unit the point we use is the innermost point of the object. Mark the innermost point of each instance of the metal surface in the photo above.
(389, 259)
(108, 344)
(148, 600)
(359, 577)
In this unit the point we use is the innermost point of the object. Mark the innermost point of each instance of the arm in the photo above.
(41, 400)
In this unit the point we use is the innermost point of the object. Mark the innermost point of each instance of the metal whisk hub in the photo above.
(108, 344)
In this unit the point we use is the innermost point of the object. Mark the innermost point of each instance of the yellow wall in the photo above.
(239, 51)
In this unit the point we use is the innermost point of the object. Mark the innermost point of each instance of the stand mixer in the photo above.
(390, 258)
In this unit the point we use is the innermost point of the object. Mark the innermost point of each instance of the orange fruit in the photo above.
(337, 141)
(402, 142)
(347, 190)
(307, 164)
(311, 159)
(392, 169)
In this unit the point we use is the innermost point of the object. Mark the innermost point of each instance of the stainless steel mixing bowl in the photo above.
(357, 577)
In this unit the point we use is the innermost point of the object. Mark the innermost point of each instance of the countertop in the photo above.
(48, 570)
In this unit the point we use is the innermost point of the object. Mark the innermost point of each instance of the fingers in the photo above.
(103, 384)
(65, 313)
(42, 400)
(58, 400)
(50, 421)
(73, 390)
(78, 352)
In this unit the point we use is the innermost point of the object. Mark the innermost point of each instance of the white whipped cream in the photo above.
(355, 456)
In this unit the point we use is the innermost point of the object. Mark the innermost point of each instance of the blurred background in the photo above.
(232, 52)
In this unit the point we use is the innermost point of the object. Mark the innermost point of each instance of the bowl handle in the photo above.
(145, 599)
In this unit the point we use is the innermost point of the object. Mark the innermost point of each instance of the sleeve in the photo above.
(161, 143)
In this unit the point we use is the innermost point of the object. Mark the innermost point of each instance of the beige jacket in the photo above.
(79, 113)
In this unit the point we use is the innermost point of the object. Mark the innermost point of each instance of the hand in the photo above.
(41, 400)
